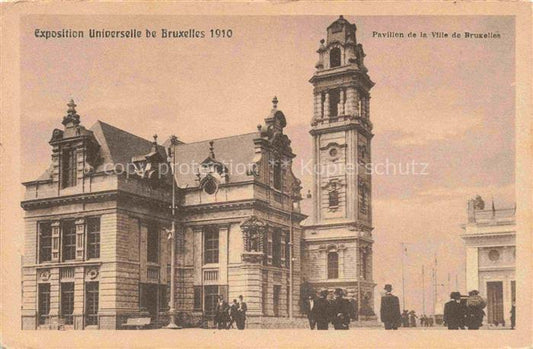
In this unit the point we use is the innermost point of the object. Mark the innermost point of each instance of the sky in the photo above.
(446, 104)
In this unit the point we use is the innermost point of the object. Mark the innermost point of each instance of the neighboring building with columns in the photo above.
(490, 241)
(338, 235)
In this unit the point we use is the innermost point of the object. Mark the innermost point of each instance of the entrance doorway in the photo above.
(277, 291)
(495, 302)
(149, 299)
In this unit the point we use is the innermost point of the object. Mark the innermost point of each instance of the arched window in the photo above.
(333, 198)
(333, 265)
(335, 57)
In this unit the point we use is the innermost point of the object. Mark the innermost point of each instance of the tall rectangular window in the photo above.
(44, 303)
(91, 303)
(45, 242)
(288, 300)
(68, 168)
(210, 245)
(210, 301)
(276, 248)
(277, 174)
(93, 237)
(69, 240)
(269, 247)
(152, 245)
(197, 298)
(67, 302)
(333, 265)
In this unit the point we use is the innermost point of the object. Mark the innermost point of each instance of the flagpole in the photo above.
(403, 277)
(423, 293)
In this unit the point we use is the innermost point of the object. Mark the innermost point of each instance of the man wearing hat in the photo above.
(454, 312)
(321, 311)
(390, 309)
(341, 311)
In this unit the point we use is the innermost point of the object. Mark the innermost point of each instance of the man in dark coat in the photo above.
(309, 306)
(341, 311)
(233, 314)
(241, 313)
(321, 311)
(390, 309)
(221, 313)
(454, 312)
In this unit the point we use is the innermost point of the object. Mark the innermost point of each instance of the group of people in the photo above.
(464, 312)
(322, 311)
(460, 312)
(226, 315)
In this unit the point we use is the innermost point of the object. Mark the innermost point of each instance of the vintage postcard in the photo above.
(266, 175)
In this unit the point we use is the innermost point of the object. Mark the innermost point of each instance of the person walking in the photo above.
(241, 313)
(341, 308)
(321, 311)
(233, 314)
(405, 318)
(454, 312)
(412, 318)
(309, 306)
(474, 310)
(390, 309)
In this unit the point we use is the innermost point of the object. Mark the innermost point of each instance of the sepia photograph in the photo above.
(220, 178)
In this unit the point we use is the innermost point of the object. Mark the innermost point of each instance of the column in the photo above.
(326, 106)
(341, 251)
(342, 101)
(223, 250)
(472, 281)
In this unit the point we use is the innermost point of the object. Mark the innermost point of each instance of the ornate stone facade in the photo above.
(490, 242)
(338, 236)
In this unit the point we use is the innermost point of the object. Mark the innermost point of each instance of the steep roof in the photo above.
(119, 146)
(230, 151)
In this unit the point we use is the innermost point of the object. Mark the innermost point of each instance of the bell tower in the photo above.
(338, 238)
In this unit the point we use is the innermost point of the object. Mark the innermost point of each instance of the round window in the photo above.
(494, 255)
(333, 152)
(210, 186)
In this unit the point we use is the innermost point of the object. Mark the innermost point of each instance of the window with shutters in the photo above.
(45, 242)
(91, 303)
(69, 240)
(93, 237)
(276, 247)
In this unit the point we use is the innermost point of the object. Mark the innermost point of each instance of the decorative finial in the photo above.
(155, 138)
(71, 107)
(322, 41)
(173, 140)
(211, 149)
(275, 102)
(341, 17)
(72, 118)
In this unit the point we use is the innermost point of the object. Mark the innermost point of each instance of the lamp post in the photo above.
(172, 239)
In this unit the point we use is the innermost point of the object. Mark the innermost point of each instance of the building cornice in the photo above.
(108, 195)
